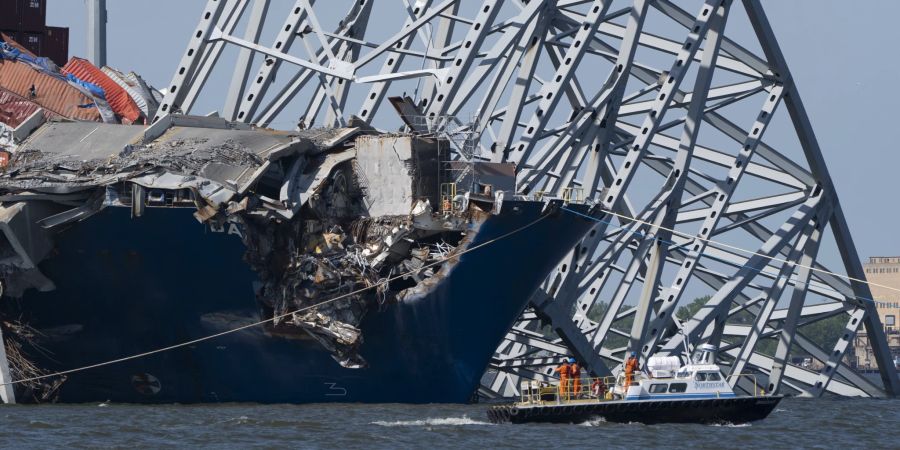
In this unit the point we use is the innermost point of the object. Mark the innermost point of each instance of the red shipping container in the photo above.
(32, 15)
(56, 45)
(14, 109)
(33, 42)
(9, 35)
(12, 38)
(53, 94)
(9, 17)
(118, 99)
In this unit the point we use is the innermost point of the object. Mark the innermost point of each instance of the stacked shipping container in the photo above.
(117, 97)
(52, 93)
(26, 22)
(14, 109)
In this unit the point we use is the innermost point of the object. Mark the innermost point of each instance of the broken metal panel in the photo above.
(133, 91)
(24, 244)
(410, 113)
(147, 92)
(29, 243)
(308, 183)
(398, 170)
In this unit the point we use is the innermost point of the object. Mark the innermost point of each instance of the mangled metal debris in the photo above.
(323, 213)
(12, 336)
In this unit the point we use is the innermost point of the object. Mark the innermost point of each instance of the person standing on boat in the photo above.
(564, 369)
(575, 374)
(598, 388)
(631, 366)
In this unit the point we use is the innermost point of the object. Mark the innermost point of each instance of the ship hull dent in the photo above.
(126, 286)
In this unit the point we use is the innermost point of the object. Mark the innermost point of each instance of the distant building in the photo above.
(25, 21)
(881, 271)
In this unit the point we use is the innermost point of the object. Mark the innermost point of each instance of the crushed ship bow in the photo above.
(335, 221)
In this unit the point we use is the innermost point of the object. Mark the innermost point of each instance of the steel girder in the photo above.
(651, 109)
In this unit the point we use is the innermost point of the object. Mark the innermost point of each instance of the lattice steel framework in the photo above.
(646, 107)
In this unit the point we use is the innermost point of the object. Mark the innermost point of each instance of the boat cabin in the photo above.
(664, 377)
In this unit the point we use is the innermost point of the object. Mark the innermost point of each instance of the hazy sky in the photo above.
(844, 63)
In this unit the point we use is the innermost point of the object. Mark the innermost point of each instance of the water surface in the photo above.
(806, 423)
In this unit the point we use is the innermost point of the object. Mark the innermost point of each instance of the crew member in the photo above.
(598, 388)
(631, 366)
(563, 370)
(575, 374)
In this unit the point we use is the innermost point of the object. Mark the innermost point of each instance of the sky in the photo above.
(843, 62)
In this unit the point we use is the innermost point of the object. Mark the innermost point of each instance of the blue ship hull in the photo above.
(126, 286)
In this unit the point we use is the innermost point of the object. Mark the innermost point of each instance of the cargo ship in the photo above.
(356, 265)
(123, 239)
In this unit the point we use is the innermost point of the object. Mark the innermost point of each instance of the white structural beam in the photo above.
(7, 394)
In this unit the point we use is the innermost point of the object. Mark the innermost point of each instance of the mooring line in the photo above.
(280, 316)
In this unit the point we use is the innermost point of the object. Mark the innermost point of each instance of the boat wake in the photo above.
(242, 420)
(596, 422)
(445, 421)
(731, 425)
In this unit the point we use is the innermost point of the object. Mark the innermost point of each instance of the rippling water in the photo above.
(823, 423)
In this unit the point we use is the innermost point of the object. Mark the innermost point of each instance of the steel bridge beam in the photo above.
(684, 188)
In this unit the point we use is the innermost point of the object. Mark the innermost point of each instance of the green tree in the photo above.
(824, 333)
(688, 311)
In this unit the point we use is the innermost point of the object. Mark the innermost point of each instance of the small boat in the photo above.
(666, 392)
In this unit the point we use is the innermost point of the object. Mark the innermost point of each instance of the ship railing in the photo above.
(757, 390)
(585, 390)
(569, 195)
(573, 195)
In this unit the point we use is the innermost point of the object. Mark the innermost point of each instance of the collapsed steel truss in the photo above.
(654, 113)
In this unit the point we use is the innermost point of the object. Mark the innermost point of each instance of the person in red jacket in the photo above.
(598, 388)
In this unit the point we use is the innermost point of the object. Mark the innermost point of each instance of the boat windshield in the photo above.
(707, 376)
